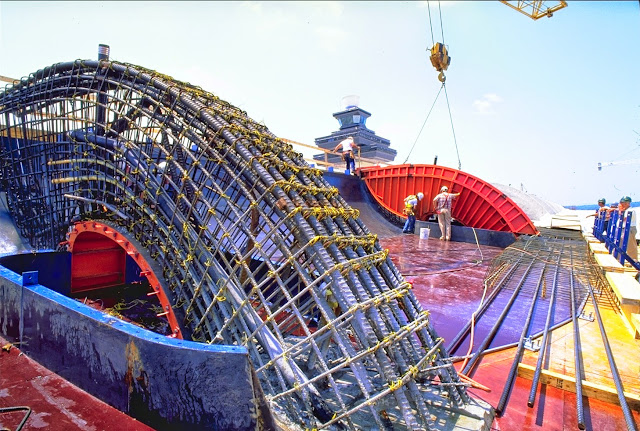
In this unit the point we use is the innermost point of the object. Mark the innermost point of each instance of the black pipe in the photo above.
(628, 416)
(471, 364)
(112, 145)
(17, 409)
(101, 108)
(545, 340)
(514, 366)
(457, 340)
(577, 353)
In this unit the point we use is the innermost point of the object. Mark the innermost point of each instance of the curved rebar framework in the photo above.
(257, 249)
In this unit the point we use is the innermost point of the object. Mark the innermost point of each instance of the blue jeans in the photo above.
(410, 224)
(350, 162)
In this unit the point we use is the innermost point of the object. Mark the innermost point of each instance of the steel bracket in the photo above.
(533, 345)
(588, 317)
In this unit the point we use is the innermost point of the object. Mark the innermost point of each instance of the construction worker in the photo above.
(632, 245)
(410, 204)
(347, 154)
(603, 209)
(442, 203)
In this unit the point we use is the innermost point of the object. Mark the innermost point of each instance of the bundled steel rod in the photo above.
(470, 366)
(502, 403)
(257, 249)
(577, 349)
(628, 416)
(538, 260)
(600, 282)
(460, 336)
(545, 339)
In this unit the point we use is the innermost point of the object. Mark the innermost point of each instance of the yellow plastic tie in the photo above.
(393, 386)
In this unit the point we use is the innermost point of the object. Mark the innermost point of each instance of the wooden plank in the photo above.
(635, 323)
(568, 383)
(9, 80)
(609, 263)
(598, 247)
(626, 288)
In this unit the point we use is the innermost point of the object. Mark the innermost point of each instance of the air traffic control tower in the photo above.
(353, 119)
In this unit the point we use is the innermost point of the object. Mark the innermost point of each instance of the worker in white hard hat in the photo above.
(442, 203)
(410, 204)
(348, 145)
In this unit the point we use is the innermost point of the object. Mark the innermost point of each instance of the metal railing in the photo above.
(617, 234)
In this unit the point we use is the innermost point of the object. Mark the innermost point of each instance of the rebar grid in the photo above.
(257, 248)
(527, 271)
(549, 254)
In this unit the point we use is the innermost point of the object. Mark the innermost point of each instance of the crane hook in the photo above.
(440, 59)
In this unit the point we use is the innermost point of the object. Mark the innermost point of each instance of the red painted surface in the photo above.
(98, 259)
(480, 205)
(447, 280)
(56, 404)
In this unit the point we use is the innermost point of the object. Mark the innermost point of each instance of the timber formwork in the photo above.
(535, 286)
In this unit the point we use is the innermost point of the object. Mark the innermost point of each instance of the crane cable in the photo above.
(446, 95)
(452, 129)
(431, 26)
(423, 124)
(438, 95)
(455, 141)
(441, 27)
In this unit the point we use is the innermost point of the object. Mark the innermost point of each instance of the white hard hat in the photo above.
(444, 189)
(420, 196)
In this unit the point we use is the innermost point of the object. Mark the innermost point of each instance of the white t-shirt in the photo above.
(347, 145)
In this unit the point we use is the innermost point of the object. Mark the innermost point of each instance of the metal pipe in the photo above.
(628, 416)
(457, 340)
(545, 339)
(471, 364)
(502, 403)
(577, 352)
(108, 206)
(101, 106)
(103, 52)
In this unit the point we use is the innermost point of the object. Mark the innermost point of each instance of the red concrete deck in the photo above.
(56, 404)
(447, 279)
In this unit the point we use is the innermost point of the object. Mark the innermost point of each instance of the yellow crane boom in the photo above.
(535, 9)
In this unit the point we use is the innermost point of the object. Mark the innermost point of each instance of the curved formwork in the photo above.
(480, 205)
(256, 248)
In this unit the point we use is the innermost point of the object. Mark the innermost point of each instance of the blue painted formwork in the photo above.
(169, 384)
(470, 235)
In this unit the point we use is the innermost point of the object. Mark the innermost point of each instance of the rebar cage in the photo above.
(256, 247)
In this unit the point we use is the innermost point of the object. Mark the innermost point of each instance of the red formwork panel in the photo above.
(480, 205)
(98, 259)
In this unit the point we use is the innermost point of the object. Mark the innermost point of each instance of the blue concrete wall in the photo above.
(168, 384)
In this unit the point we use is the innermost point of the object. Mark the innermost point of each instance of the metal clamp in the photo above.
(533, 345)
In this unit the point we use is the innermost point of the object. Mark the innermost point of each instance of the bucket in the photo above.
(424, 232)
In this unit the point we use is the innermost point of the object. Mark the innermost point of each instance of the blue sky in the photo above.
(535, 104)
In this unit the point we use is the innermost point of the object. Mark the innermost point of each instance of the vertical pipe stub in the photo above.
(103, 52)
